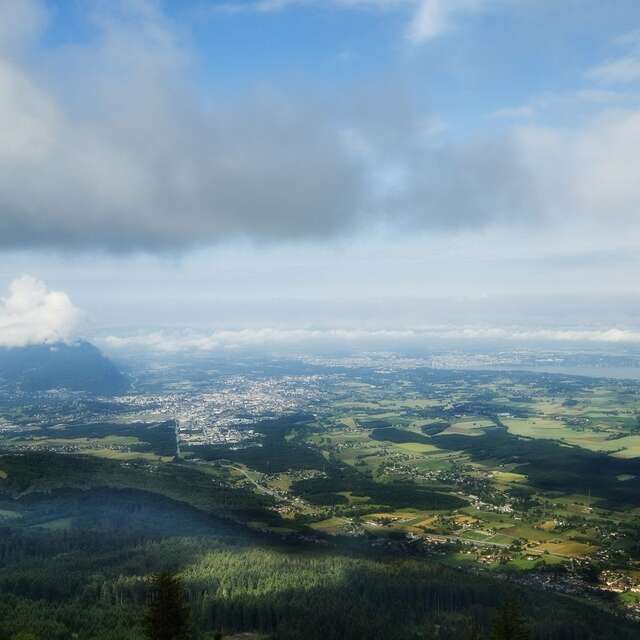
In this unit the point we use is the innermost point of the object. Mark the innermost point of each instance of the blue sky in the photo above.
(496, 55)
(247, 158)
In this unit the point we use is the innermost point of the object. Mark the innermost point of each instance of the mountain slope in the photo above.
(79, 367)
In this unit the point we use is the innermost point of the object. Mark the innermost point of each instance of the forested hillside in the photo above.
(82, 564)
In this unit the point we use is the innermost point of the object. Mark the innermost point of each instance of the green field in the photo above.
(525, 475)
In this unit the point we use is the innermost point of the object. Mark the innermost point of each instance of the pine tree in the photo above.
(509, 623)
(168, 615)
(474, 631)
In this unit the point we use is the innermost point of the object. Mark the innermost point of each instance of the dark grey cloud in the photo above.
(256, 173)
(107, 145)
(113, 150)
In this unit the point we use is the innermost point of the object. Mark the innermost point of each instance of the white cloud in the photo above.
(243, 338)
(628, 39)
(585, 180)
(273, 338)
(144, 166)
(623, 70)
(436, 17)
(20, 22)
(574, 101)
(260, 6)
(430, 18)
(31, 314)
(271, 6)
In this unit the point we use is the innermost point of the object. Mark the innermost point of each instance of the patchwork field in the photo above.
(523, 473)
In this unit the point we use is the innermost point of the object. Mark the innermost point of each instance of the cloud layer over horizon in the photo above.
(32, 314)
(381, 339)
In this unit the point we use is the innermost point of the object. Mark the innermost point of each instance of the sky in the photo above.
(274, 169)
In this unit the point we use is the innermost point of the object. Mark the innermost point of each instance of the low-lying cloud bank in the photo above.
(269, 338)
(31, 314)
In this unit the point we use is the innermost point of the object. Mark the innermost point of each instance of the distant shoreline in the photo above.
(616, 373)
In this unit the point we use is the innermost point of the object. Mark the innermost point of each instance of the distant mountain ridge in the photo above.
(78, 366)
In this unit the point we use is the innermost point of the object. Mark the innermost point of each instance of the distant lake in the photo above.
(618, 373)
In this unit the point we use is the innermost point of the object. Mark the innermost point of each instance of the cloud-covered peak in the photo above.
(32, 314)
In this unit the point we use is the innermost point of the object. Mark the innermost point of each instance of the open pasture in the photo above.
(586, 438)
(567, 548)
(469, 427)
